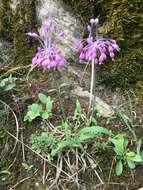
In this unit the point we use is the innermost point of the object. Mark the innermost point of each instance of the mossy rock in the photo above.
(15, 23)
(121, 20)
(5, 19)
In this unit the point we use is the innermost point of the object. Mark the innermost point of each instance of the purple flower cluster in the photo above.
(97, 50)
(48, 55)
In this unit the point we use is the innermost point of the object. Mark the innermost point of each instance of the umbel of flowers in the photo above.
(48, 54)
(97, 50)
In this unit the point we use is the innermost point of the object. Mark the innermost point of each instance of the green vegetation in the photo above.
(80, 133)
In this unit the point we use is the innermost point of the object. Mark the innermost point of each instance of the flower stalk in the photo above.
(96, 50)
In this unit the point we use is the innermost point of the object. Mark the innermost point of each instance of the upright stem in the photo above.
(92, 99)
(92, 102)
(94, 89)
(91, 87)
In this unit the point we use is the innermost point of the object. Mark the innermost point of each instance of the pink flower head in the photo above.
(79, 45)
(48, 25)
(48, 55)
(98, 50)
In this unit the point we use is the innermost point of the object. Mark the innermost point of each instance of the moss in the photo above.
(121, 20)
(23, 21)
(15, 24)
(139, 89)
(5, 19)
(84, 9)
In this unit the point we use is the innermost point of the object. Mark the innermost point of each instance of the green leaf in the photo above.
(132, 156)
(42, 98)
(34, 111)
(92, 121)
(64, 126)
(45, 115)
(49, 104)
(118, 142)
(139, 143)
(92, 132)
(6, 172)
(137, 158)
(119, 168)
(131, 164)
(35, 108)
(9, 87)
(69, 143)
(78, 106)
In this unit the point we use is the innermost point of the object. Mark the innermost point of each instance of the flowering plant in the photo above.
(97, 50)
(48, 55)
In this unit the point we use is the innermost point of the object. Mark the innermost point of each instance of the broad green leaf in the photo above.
(42, 98)
(137, 158)
(119, 168)
(132, 156)
(131, 164)
(35, 108)
(92, 132)
(34, 111)
(118, 142)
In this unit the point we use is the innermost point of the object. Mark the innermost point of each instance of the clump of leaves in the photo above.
(76, 134)
(123, 155)
(36, 110)
(79, 133)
